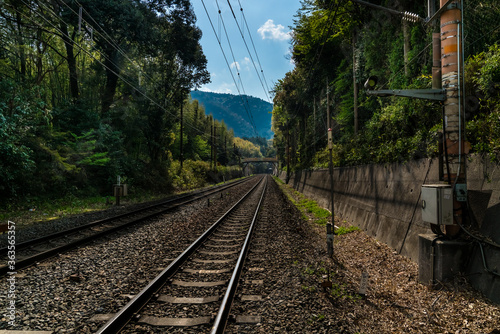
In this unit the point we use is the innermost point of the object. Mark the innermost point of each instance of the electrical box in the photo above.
(437, 204)
(461, 192)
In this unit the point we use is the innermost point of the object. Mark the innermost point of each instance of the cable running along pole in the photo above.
(330, 226)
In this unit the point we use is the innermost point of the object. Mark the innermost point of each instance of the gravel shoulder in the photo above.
(395, 302)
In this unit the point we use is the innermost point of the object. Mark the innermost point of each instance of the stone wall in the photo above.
(384, 200)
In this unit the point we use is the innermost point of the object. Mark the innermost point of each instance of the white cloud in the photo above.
(272, 31)
(224, 88)
(235, 65)
(246, 61)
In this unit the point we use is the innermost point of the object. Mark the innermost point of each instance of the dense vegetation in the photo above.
(337, 43)
(239, 113)
(83, 101)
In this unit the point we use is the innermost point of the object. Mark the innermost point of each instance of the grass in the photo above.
(308, 207)
(35, 209)
(339, 291)
(345, 230)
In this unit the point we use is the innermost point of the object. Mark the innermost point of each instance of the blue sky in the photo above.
(268, 22)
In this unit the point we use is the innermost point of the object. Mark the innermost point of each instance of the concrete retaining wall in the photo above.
(384, 200)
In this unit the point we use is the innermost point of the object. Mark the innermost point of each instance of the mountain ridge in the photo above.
(231, 109)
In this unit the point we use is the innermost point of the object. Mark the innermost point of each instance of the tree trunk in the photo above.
(20, 42)
(70, 52)
(70, 55)
(111, 82)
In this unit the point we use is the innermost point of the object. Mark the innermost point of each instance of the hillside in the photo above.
(231, 110)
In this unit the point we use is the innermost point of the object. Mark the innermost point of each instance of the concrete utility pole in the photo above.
(215, 147)
(330, 226)
(182, 133)
(287, 153)
(451, 70)
(211, 144)
(355, 83)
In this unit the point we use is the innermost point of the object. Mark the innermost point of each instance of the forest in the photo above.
(95, 89)
(337, 45)
(235, 111)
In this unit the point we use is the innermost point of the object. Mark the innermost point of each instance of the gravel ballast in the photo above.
(302, 290)
(63, 293)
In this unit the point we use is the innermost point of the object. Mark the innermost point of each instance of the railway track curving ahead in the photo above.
(211, 266)
(36, 250)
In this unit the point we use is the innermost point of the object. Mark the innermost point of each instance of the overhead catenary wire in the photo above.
(79, 46)
(229, 66)
(248, 50)
(221, 19)
(318, 53)
(253, 45)
(230, 47)
(113, 42)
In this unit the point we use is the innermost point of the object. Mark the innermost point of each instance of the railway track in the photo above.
(198, 287)
(36, 250)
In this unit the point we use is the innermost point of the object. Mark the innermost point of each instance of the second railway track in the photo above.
(198, 287)
(39, 249)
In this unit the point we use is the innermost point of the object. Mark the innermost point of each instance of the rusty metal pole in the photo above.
(436, 61)
(454, 143)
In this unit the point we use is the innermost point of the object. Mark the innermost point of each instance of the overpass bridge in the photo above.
(245, 162)
(248, 160)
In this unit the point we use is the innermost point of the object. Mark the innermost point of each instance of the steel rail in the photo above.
(175, 203)
(123, 317)
(225, 308)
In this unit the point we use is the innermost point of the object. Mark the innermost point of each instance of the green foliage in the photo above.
(345, 230)
(236, 112)
(78, 109)
(341, 291)
(483, 101)
(22, 119)
(192, 175)
(483, 70)
(247, 149)
(389, 129)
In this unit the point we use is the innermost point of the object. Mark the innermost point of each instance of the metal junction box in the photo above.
(437, 204)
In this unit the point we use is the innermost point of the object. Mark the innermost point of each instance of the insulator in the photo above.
(411, 17)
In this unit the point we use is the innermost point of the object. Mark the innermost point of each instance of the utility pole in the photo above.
(452, 81)
(314, 111)
(211, 144)
(287, 153)
(330, 226)
(215, 147)
(355, 83)
(182, 134)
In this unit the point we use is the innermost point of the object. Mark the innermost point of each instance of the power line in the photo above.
(229, 67)
(253, 45)
(107, 38)
(100, 62)
(237, 69)
(249, 53)
(230, 46)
